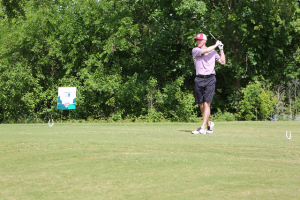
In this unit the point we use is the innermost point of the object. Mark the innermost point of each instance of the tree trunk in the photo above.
(237, 84)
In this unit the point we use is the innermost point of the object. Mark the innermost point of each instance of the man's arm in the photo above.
(211, 48)
(222, 59)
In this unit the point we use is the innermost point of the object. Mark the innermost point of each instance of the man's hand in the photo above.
(221, 45)
(218, 43)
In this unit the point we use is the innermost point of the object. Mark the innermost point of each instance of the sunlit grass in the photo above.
(240, 160)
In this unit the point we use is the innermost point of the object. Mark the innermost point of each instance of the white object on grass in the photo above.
(51, 124)
(288, 137)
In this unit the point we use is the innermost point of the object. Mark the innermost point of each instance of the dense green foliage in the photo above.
(132, 59)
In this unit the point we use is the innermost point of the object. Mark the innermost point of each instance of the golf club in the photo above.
(195, 18)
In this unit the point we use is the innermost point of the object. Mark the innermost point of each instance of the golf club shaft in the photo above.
(204, 27)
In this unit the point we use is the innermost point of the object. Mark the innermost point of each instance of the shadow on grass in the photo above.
(187, 131)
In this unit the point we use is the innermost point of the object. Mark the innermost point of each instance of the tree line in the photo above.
(132, 59)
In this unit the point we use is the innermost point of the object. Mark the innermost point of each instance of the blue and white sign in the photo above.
(66, 98)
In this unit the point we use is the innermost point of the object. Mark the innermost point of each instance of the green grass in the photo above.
(240, 160)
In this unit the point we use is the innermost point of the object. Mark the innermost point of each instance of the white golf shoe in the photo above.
(211, 127)
(199, 131)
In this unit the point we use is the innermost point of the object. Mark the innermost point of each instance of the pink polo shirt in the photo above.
(205, 64)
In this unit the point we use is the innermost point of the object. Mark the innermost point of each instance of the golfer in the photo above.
(205, 81)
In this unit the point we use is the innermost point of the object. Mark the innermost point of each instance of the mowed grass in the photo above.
(240, 160)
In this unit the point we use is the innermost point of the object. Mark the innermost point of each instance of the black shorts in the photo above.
(204, 89)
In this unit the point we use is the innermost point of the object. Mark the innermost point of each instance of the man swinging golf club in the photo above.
(204, 61)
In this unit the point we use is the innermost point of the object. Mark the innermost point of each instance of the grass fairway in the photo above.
(240, 160)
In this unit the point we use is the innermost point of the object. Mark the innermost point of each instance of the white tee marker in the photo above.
(288, 137)
(51, 124)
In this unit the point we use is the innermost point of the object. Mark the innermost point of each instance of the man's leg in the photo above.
(205, 109)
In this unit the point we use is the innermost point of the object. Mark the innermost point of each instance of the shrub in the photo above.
(223, 116)
(256, 102)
